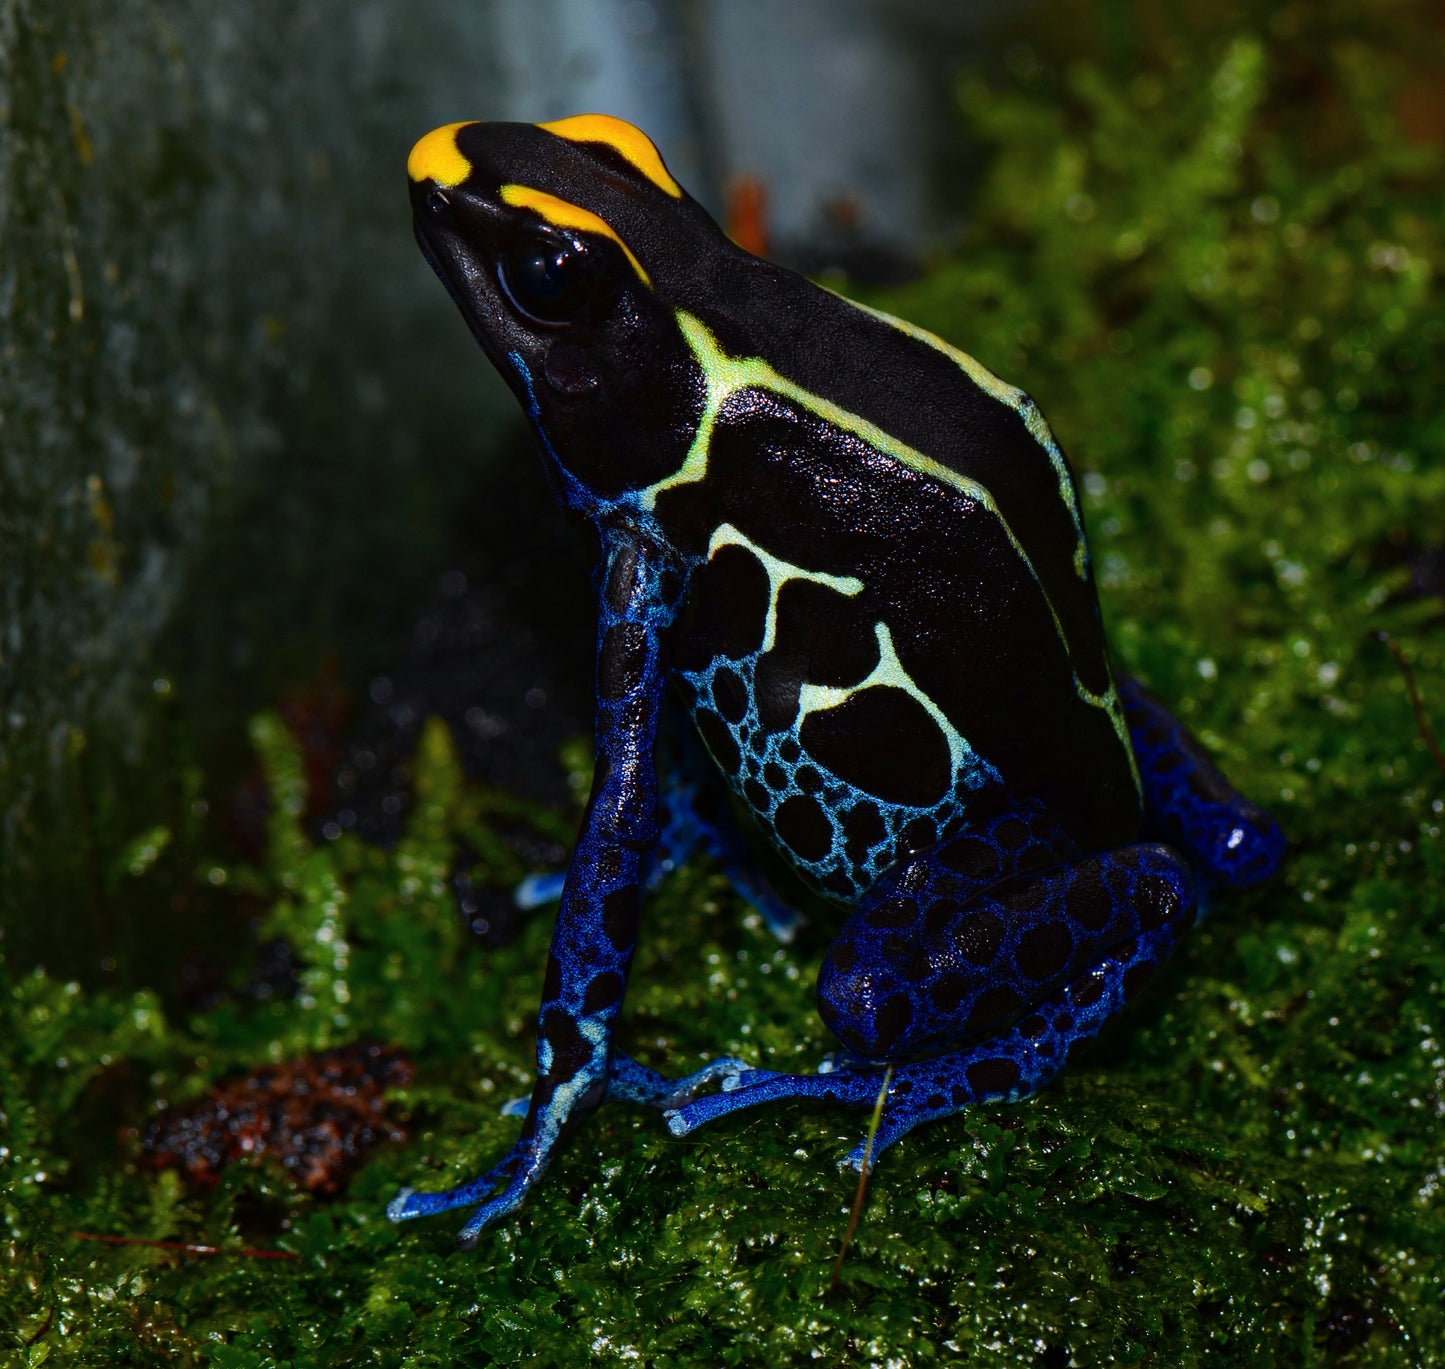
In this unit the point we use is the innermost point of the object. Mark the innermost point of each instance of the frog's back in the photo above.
(891, 625)
(893, 628)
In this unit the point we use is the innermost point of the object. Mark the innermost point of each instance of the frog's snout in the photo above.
(437, 158)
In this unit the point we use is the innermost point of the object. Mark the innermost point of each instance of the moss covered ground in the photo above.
(1213, 253)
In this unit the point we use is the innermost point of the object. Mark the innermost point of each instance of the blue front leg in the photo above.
(596, 926)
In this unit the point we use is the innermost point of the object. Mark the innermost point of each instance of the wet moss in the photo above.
(1229, 309)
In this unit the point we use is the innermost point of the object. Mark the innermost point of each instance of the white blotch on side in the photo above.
(779, 573)
(889, 671)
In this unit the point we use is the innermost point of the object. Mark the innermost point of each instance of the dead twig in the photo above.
(862, 1178)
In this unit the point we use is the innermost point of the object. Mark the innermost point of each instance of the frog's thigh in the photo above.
(917, 965)
(1189, 803)
(1127, 907)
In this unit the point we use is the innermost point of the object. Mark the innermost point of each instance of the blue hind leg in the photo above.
(1042, 959)
(1189, 804)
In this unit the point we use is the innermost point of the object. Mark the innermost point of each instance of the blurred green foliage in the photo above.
(1211, 246)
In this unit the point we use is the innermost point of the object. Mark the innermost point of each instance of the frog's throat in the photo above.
(724, 376)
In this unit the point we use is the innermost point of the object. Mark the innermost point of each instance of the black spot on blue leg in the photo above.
(622, 660)
(552, 980)
(892, 914)
(1044, 950)
(992, 1008)
(603, 992)
(979, 936)
(570, 1051)
(992, 1076)
(621, 579)
(619, 917)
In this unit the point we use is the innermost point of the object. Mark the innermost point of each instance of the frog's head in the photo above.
(564, 246)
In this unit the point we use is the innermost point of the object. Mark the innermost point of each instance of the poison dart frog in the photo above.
(859, 559)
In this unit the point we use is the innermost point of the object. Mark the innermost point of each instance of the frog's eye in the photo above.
(548, 281)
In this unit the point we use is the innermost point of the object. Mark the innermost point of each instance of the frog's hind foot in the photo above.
(1045, 957)
(1190, 804)
(631, 1082)
(1007, 1068)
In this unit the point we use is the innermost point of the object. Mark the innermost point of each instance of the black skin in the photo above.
(871, 591)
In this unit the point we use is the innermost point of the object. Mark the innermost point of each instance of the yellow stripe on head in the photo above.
(436, 158)
(630, 143)
(561, 214)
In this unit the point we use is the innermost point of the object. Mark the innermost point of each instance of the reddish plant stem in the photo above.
(862, 1179)
(187, 1246)
(49, 1317)
(1422, 723)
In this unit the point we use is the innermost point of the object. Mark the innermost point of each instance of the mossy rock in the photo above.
(1230, 311)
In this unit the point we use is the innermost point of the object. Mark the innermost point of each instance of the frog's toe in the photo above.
(410, 1203)
(763, 1086)
(508, 1200)
(631, 1082)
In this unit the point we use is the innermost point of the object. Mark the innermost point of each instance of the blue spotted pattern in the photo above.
(596, 927)
(1006, 1068)
(790, 792)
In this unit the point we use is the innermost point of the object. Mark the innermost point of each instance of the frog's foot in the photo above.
(1190, 803)
(627, 1081)
(1007, 1068)
(630, 1082)
(409, 1203)
(524, 1165)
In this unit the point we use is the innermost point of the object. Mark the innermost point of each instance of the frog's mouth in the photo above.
(469, 280)
(431, 260)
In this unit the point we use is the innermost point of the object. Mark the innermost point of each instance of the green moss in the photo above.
(1230, 311)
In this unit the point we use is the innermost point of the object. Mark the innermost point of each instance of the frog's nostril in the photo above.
(437, 201)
